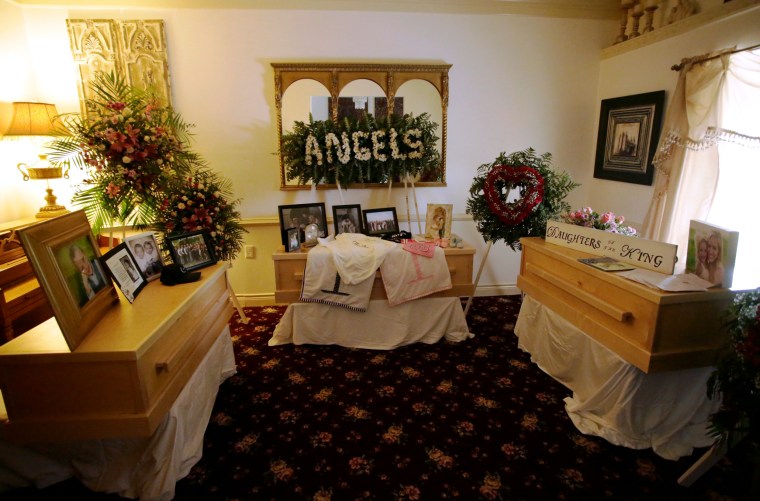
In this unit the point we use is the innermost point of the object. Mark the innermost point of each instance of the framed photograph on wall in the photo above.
(711, 253)
(379, 222)
(124, 269)
(629, 129)
(191, 250)
(299, 215)
(347, 218)
(145, 250)
(66, 259)
(438, 221)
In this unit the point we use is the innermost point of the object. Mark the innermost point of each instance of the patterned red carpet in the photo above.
(475, 420)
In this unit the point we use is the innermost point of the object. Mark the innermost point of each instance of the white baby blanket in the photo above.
(341, 272)
(323, 284)
(408, 276)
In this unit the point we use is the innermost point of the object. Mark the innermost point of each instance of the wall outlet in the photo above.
(250, 252)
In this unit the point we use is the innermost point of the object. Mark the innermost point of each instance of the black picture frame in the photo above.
(151, 261)
(347, 218)
(123, 268)
(292, 239)
(299, 215)
(379, 222)
(192, 250)
(629, 129)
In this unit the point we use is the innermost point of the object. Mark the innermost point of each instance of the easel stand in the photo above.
(477, 277)
(235, 302)
(708, 460)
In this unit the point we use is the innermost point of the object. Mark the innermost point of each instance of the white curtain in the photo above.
(716, 101)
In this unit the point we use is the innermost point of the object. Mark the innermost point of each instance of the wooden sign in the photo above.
(648, 254)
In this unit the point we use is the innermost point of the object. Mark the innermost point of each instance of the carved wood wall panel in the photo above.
(134, 48)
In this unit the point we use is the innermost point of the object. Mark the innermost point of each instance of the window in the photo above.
(735, 207)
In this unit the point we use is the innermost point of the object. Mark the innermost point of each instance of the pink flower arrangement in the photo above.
(607, 221)
(132, 149)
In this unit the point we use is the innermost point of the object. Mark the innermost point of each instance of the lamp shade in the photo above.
(35, 119)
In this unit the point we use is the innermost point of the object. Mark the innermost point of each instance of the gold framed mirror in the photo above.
(334, 91)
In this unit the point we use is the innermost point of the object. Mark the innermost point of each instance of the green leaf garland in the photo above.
(368, 150)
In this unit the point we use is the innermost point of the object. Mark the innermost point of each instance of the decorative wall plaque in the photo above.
(136, 49)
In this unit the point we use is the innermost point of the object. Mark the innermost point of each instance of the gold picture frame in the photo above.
(438, 221)
(66, 258)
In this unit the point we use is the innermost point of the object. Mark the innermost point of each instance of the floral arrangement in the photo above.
(608, 221)
(141, 171)
(542, 191)
(737, 374)
(531, 186)
(369, 150)
(132, 149)
(201, 203)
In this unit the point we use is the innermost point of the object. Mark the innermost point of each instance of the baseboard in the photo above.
(483, 290)
(256, 299)
(497, 290)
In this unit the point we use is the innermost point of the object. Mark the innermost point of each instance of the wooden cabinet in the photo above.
(651, 329)
(289, 266)
(23, 303)
(121, 380)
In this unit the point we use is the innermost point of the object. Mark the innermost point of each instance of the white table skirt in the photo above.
(145, 468)
(612, 399)
(381, 327)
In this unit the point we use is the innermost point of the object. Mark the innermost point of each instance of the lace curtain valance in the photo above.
(685, 161)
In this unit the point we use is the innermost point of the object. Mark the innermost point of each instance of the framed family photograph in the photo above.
(378, 222)
(124, 269)
(629, 129)
(191, 250)
(711, 253)
(145, 250)
(292, 239)
(300, 215)
(438, 221)
(66, 259)
(347, 218)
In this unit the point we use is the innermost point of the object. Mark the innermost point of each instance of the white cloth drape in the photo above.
(143, 468)
(381, 327)
(709, 104)
(667, 411)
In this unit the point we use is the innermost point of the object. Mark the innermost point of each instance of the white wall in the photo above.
(516, 82)
(648, 69)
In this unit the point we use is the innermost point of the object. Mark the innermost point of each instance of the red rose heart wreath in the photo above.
(542, 194)
(501, 180)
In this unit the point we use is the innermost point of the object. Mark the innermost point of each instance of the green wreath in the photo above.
(491, 211)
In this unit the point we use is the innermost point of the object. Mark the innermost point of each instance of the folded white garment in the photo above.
(357, 257)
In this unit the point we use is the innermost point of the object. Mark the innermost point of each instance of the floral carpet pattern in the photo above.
(470, 420)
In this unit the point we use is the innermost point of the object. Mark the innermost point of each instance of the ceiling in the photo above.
(581, 9)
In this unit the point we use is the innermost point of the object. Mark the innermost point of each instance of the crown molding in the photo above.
(578, 9)
(724, 11)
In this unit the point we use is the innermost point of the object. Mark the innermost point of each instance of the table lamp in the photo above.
(40, 120)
